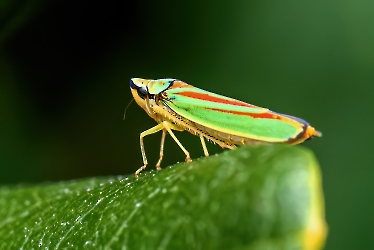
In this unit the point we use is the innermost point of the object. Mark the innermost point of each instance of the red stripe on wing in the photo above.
(253, 115)
(273, 116)
(207, 97)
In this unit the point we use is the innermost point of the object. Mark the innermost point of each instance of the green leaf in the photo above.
(265, 197)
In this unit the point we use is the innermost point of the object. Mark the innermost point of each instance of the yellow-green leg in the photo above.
(166, 127)
(161, 149)
(144, 133)
(169, 126)
(204, 145)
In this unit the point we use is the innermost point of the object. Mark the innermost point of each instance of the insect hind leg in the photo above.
(206, 153)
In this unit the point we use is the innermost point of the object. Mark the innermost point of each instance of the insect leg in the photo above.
(144, 133)
(168, 126)
(204, 145)
(161, 149)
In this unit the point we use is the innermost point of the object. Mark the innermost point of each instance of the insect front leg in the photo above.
(169, 126)
(161, 149)
(144, 133)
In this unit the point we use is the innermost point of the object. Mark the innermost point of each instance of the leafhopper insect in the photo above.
(176, 105)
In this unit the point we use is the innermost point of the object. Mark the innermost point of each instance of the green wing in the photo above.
(233, 117)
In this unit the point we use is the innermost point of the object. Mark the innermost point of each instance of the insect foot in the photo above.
(139, 170)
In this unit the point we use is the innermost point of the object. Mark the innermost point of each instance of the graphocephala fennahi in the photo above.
(176, 105)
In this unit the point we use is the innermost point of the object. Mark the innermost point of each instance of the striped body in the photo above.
(219, 119)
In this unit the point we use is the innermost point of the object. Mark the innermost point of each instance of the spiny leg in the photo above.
(144, 133)
(204, 145)
(161, 149)
(168, 126)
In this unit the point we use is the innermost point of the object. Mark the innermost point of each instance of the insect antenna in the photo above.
(124, 114)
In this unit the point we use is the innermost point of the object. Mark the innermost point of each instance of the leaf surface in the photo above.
(265, 197)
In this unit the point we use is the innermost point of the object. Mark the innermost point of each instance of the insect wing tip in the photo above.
(316, 133)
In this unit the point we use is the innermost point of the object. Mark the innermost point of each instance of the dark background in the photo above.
(65, 68)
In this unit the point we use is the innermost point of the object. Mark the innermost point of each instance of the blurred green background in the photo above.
(65, 68)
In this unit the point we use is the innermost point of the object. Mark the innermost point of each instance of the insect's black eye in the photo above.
(142, 92)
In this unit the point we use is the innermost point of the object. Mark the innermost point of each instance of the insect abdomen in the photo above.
(226, 138)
